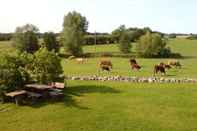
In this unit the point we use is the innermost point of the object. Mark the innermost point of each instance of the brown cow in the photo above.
(135, 66)
(132, 61)
(166, 66)
(105, 65)
(174, 63)
(159, 68)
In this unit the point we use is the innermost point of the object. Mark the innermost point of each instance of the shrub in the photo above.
(25, 39)
(46, 66)
(50, 41)
(151, 45)
(124, 42)
(11, 77)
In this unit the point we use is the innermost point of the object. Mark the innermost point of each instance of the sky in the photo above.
(168, 16)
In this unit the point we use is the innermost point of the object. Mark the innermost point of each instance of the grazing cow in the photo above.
(135, 66)
(105, 65)
(132, 61)
(166, 66)
(174, 63)
(159, 68)
(81, 60)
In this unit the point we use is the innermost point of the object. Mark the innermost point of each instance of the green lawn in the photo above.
(109, 106)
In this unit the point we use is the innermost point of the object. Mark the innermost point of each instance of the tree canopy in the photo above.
(74, 28)
(25, 38)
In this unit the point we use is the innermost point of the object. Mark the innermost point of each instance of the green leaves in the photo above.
(25, 39)
(50, 41)
(75, 27)
(150, 45)
(46, 66)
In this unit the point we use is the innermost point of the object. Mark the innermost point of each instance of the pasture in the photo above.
(109, 106)
(121, 65)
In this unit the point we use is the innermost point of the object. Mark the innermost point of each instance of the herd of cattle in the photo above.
(106, 65)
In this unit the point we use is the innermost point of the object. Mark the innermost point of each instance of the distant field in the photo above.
(109, 106)
(5, 46)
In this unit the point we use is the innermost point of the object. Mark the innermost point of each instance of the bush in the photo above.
(11, 77)
(124, 42)
(46, 67)
(172, 36)
(25, 39)
(151, 45)
(50, 42)
(165, 53)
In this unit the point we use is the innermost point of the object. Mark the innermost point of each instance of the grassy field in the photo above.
(109, 106)
(121, 66)
(113, 106)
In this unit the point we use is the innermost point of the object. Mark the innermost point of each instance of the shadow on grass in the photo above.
(77, 91)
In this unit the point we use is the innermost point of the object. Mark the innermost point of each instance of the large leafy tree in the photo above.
(25, 38)
(150, 45)
(50, 41)
(74, 28)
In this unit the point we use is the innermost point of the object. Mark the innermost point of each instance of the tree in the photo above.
(25, 38)
(124, 42)
(117, 32)
(74, 29)
(50, 41)
(46, 66)
(150, 45)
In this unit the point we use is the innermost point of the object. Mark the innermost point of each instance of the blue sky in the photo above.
(103, 15)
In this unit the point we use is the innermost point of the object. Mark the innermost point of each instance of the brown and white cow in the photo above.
(134, 65)
(105, 65)
(159, 69)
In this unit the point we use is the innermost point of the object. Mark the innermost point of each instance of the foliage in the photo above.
(25, 38)
(11, 77)
(150, 45)
(50, 41)
(124, 42)
(46, 66)
(5, 36)
(172, 36)
(100, 39)
(75, 27)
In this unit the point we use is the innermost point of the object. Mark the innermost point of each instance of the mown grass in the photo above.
(109, 106)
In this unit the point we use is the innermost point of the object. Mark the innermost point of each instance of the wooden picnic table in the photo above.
(38, 86)
(17, 95)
